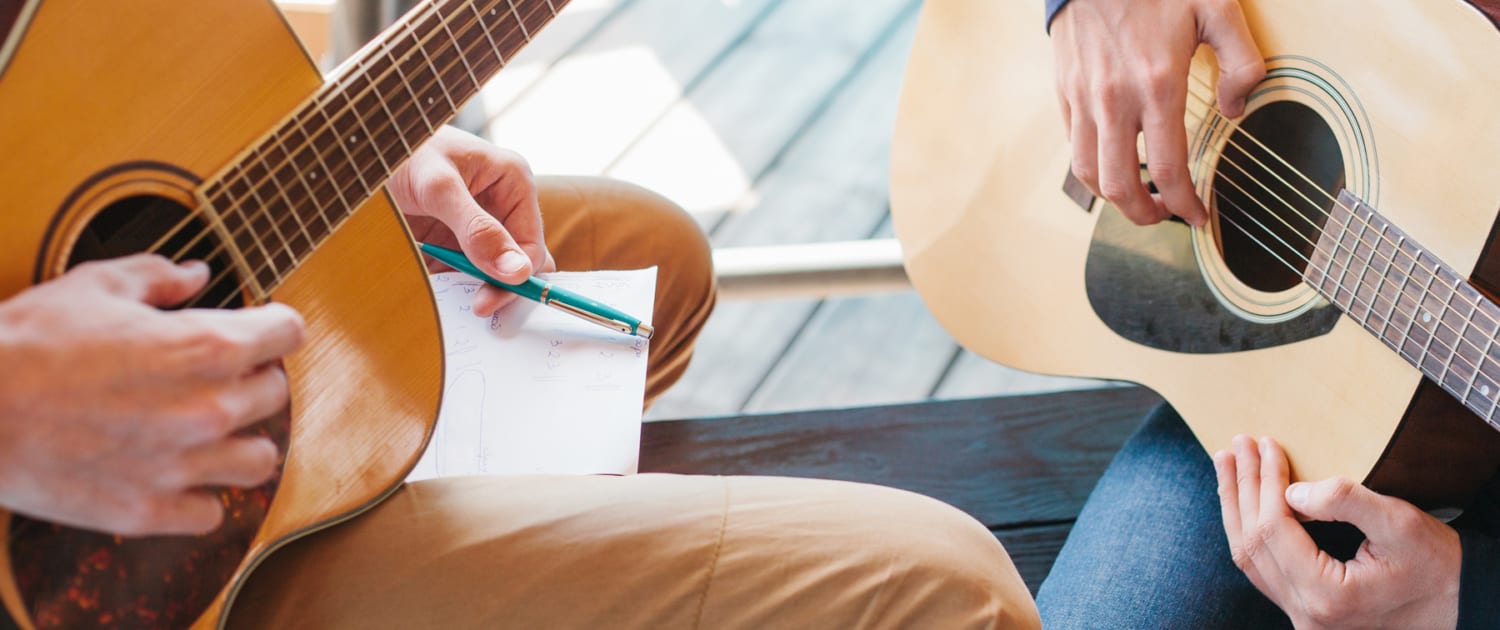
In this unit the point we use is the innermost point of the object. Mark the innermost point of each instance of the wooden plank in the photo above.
(829, 185)
(573, 25)
(973, 376)
(587, 109)
(859, 351)
(705, 152)
(1008, 461)
(1033, 549)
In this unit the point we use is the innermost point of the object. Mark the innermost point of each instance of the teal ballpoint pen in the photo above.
(542, 291)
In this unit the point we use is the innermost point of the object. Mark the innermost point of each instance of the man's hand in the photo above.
(115, 414)
(1122, 69)
(1405, 575)
(460, 191)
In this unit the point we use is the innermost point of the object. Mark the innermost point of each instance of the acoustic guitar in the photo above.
(201, 130)
(1341, 297)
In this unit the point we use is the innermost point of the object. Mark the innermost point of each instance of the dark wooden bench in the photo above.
(1022, 465)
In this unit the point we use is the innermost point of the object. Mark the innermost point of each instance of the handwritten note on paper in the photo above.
(536, 390)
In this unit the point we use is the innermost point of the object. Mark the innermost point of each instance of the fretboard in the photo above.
(1413, 302)
(288, 192)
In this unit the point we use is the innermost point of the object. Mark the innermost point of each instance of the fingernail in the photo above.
(1296, 494)
(511, 262)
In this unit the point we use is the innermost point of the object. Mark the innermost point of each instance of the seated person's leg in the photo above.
(1149, 550)
(595, 223)
(647, 551)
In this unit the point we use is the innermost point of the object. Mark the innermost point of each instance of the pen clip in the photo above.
(598, 319)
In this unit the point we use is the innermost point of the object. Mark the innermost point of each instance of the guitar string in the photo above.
(1370, 304)
(297, 197)
(1364, 223)
(422, 12)
(1487, 393)
(1390, 261)
(382, 126)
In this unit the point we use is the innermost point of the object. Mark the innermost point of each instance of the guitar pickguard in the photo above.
(1145, 284)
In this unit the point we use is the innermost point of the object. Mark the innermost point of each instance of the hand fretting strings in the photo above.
(1212, 111)
(384, 125)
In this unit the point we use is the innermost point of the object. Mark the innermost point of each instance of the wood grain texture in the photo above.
(1007, 461)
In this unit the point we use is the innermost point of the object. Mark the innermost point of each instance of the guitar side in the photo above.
(1001, 254)
(145, 98)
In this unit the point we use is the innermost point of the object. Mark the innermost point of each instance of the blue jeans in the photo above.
(1148, 550)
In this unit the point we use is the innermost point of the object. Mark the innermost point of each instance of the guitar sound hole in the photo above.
(1272, 189)
(136, 224)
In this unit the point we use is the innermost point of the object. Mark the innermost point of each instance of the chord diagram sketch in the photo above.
(536, 390)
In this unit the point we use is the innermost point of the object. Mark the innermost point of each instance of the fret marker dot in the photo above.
(1484, 390)
(1426, 317)
(353, 138)
(312, 174)
(431, 100)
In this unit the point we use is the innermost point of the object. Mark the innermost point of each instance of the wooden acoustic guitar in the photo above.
(202, 130)
(1341, 298)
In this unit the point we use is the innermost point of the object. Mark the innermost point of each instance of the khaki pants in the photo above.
(643, 551)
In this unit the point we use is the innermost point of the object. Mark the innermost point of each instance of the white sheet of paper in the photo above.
(536, 390)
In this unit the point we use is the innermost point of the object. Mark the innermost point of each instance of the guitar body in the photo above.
(1394, 103)
(105, 102)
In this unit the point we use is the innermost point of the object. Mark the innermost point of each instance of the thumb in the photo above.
(1241, 66)
(1339, 499)
(147, 278)
(481, 236)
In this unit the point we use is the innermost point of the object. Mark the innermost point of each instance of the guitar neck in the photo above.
(1413, 302)
(289, 191)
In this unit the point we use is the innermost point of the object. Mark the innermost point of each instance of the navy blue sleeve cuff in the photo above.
(1479, 581)
(1053, 6)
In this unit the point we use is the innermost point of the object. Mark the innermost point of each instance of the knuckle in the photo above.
(1111, 94)
(1085, 173)
(1115, 189)
(1166, 174)
(1340, 490)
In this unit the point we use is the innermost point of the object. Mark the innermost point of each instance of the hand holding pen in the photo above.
(543, 292)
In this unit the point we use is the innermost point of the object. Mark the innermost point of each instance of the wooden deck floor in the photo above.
(770, 120)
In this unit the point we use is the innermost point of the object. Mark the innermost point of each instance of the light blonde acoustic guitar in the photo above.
(202, 130)
(1341, 298)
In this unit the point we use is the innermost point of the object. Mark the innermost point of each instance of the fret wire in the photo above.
(328, 136)
(301, 172)
(328, 176)
(346, 146)
(1365, 272)
(265, 208)
(406, 83)
(462, 57)
(1461, 332)
(1441, 318)
(395, 125)
(353, 110)
(261, 211)
(1427, 292)
(287, 200)
(551, 8)
(437, 78)
(1400, 288)
(484, 30)
(1488, 355)
(519, 21)
(1382, 279)
(1339, 244)
(250, 226)
(1416, 310)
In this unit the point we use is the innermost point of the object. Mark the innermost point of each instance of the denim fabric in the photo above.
(1053, 6)
(1148, 550)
